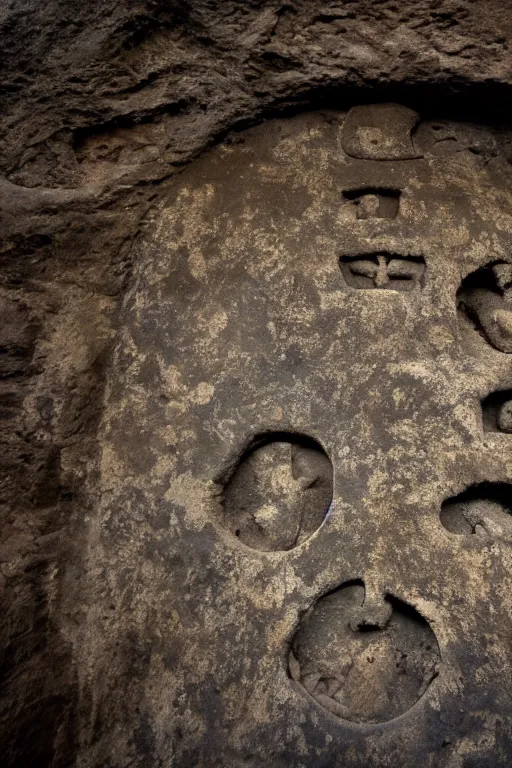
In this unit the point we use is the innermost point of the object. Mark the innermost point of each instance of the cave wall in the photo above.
(103, 105)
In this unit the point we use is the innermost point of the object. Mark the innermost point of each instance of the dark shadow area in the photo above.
(483, 303)
(497, 411)
(473, 511)
(478, 103)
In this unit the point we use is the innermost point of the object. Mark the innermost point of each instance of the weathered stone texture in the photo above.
(103, 106)
(243, 330)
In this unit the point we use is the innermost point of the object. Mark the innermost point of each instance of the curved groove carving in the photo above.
(484, 510)
(367, 663)
(279, 493)
(484, 299)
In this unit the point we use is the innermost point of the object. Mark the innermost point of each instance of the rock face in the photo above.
(305, 523)
(282, 534)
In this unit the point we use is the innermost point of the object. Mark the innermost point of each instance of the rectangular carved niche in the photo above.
(386, 271)
(374, 202)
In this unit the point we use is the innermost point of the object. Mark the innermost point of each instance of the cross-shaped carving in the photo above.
(383, 270)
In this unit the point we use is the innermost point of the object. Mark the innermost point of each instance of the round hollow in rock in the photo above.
(279, 493)
(364, 663)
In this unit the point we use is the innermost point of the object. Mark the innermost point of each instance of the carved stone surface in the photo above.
(484, 510)
(380, 132)
(383, 270)
(279, 493)
(374, 203)
(485, 300)
(497, 411)
(360, 663)
(104, 104)
(254, 380)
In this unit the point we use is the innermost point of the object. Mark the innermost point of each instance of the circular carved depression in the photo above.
(279, 493)
(366, 664)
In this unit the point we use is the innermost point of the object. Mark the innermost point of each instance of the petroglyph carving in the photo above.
(505, 417)
(484, 299)
(260, 300)
(383, 270)
(374, 203)
(483, 510)
(445, 138)
(361, 661)
(280, 492)
(497, 412)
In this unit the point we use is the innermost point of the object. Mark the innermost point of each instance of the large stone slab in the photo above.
(293, 437)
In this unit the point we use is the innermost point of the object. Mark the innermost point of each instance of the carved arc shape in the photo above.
(363, 664)
(279, 493)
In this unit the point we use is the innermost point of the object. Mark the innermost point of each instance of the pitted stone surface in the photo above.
(240, 324)
(380, 132)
